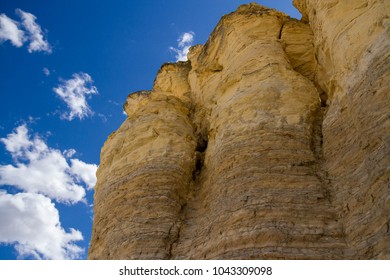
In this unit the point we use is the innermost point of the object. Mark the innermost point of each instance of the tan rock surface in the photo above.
(233, 155)
(353, 50)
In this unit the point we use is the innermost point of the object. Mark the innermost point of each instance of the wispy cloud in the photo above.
(69, 153)
(32, 223)
(184, 43)
(9, 30)
(74, 93)
(46, 71)
(38, 168)
(35, 35)
(29, 219)
(28, 30)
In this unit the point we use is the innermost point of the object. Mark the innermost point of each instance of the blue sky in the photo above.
(67, 67)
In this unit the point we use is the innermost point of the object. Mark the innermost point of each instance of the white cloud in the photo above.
(15, 143)
(40, 169)
(74, 93)
(31, 223)
(34, 31)
(69, 153)
(25, 31)
(184, 43)
(9, 30)
(46, 71)
(186, 39)
(84, 172)
(29, 219)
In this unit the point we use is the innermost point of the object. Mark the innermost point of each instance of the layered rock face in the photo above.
(352, 46)
(271, 142)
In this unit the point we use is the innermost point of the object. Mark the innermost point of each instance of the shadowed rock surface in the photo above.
(271, 142)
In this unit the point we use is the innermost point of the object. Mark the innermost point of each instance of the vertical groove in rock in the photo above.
(319, 165)
(199, 162)
(298, 42)
(176, 228)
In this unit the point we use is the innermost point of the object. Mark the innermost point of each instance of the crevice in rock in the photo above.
(199, 158)
(320, 171)
(281, 31)
(317, 148)
(175, 231)
(199, 117)
(200, 127)
(324, 98)
(317, 135)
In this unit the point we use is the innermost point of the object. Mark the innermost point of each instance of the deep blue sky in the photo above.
(121, 44)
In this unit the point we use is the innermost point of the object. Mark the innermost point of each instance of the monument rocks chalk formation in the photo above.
(271, 142)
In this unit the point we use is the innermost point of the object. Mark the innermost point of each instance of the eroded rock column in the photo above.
(259, 193)
(144, 178)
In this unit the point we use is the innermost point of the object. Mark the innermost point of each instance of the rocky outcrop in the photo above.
(272, 141)
(352, 47)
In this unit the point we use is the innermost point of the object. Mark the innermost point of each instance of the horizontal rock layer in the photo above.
(272, 141)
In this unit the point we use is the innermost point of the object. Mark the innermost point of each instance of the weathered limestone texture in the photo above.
(352, 45)
(271, 142)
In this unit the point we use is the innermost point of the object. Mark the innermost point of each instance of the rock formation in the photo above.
(271, 142)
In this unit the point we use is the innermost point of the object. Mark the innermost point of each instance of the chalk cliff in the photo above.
(271, 142)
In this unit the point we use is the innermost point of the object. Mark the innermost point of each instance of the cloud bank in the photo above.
(26, 31)
(74, 93)
(29, 219)
(184, 43)
(31, 222)
(40, 169)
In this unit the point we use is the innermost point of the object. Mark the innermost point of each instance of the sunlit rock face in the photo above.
(271, 142)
